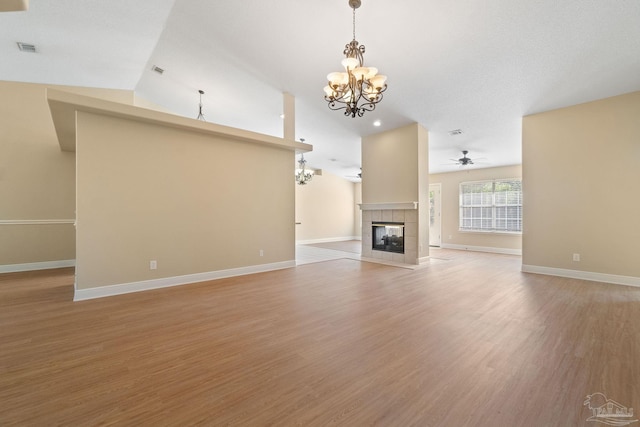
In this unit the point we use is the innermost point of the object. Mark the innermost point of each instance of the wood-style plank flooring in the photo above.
(468, 340)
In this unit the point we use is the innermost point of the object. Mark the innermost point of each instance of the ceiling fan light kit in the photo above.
(357, 89)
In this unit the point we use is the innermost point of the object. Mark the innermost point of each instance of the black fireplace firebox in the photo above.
(388, 236)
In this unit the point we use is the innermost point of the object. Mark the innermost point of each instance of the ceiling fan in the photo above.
(464, 160)
(358, 176)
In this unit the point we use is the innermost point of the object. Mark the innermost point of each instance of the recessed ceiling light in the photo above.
(377, 123)
(282, 116)
(27, 47)
(455, 132)
(157, 69)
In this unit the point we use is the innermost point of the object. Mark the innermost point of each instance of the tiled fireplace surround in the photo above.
(410, 219)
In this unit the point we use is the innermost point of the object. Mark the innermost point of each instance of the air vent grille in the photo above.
(157, 69)
(27, 47)
(455, 132)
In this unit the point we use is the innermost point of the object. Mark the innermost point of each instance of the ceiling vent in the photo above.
(455, 132)
(157, 69)
(26, 47)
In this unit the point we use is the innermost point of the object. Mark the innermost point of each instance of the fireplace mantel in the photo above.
(388, 206)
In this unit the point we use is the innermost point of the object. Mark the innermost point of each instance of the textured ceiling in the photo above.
(470, 65)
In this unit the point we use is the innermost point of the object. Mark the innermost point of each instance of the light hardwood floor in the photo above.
(470, 341)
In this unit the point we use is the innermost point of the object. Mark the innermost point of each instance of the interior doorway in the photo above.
(435, 223)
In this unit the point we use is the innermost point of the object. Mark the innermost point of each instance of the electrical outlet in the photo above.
(153, 264)
(576, 257)
(261, 252)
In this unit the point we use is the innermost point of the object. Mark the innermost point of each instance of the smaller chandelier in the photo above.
(358, 88)
(200, 115)
(303, 176)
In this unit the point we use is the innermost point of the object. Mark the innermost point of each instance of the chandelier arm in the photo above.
(369, 106)
(370, 86)
(333, 106)
(352, 50)
(334, 100)
(378, 99)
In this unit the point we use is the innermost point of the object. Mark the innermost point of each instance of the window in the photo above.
(491, 206)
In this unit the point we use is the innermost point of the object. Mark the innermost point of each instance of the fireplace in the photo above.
(401, 220)
(388, 236)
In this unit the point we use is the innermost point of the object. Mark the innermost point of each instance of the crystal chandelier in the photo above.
(303, 176)
(359, 88)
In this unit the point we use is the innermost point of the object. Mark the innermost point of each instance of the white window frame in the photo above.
(487, 207)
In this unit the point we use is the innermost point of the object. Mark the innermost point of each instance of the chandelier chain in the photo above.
(354, 23)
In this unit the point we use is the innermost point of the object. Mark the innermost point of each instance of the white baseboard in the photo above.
(504, 251)
(328, 240)
(584, 275)
(32, 266)
(126, 288)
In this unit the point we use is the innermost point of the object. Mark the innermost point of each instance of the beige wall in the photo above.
(450, 215)
(325, 209)
(194, 202)
(395, 167)
(37, 180)
(357, 212)
(581, 174)
(390, 166)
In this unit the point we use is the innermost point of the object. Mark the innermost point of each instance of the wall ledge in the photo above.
(505, 251)
(33, 266)
(583, 275)
(388, 206)
(146, 285)
(36, 221)
(64, 105)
